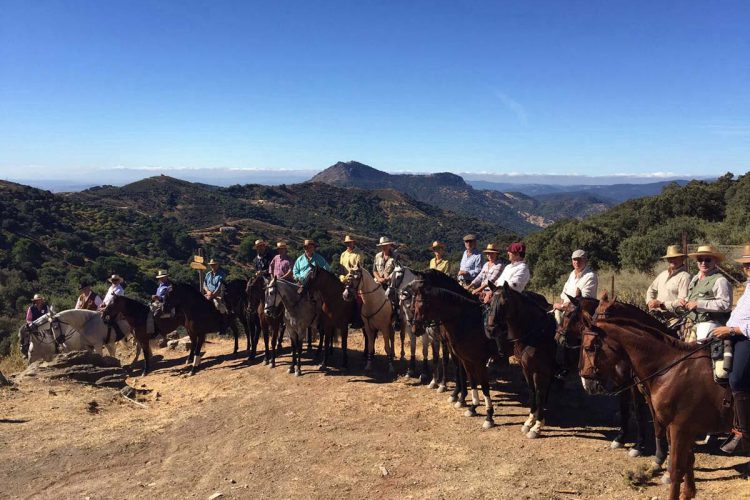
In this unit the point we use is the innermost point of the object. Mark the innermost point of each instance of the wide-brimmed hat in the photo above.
(436, 244)
(579, 254)
(260, 243)
(83, 284)
(213, 262)
(349, 239)
(37, 296)
(708, 250)
(162, 274)
(745, 255)
(280, 244)
(491, 248)
(517, 247)
(470, 237)
(114, 277)
(309, 242)
(385, 240)
(673, 251)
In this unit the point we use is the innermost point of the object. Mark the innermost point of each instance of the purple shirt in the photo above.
(280, 266)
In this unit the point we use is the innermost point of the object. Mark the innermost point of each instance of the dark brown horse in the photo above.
(337, 312)
(531, 329)
(437, 297)
(136, 314)
(269, 324)
(200, 315)
(678, 376)
(570, 333)
(235, 299)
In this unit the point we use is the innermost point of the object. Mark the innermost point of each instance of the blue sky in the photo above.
(586, 87)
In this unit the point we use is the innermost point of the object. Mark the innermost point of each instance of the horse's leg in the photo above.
(274, 343)
(445, 363)
(147, 354)
(390, 349)
(309, 339)
(435, 362)
(236, 333)
(266, 353)
(298, 368)
(680, 445)
(197, 360)
(642, 413)
(344, 342)
(325, 337)
(542, 381)
(690, 476)
(453, 398)
(370, 346)
(488, 420)
(412, 370)
(624, 401)
(292, 340)
(137, 353)
(366, 350)
(471, 411)
(402, 332)
(531, 421)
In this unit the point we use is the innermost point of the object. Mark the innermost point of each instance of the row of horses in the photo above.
(616, 348)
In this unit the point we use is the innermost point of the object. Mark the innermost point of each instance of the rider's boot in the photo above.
(739, 441)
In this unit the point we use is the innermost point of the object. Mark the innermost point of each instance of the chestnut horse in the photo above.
(570, 331)
(531, 329)
(677, 375)
(337, 312)
(437, 297)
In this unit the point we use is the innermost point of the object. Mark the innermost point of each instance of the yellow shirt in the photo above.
(350, 260)
(443, 266)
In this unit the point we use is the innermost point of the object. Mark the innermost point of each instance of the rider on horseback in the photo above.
(115, 288)
(670, 287)
(471, 261)
(281, 264)
(351, 258)
(213, 286)
(438, 262)
(88, 299)
(489, 273)
(262, 259)
(382, 269)
(709, 298)
(738, 327)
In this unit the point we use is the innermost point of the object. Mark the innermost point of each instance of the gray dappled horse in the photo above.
(70, 330)
(301, 310)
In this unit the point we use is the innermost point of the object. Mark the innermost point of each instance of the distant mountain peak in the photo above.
(346, 172)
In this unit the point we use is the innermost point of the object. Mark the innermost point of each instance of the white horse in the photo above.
(301, 311)
(401, 278)
(70, 330)
(376, 313)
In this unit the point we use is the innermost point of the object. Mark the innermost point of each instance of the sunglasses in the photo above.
(704, 259)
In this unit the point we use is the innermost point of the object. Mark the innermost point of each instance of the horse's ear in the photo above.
(579, 294)
(506, 286)
(604, 297)
(492, 286)
(574, 300)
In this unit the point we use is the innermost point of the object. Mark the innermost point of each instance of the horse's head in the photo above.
(496, 322)
(575, 317)
(112, 309)
(353, 279)
(24, 338)
(272, 297)
(171, 298)
(255, 292)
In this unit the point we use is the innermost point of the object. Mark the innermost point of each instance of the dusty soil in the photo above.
(248, 431)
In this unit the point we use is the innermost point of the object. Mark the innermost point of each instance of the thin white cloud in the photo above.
(514, 107)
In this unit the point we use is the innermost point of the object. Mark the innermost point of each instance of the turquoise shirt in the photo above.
(213, 281)
(302, 266)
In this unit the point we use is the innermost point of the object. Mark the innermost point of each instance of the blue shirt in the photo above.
(302, 266)
(471, 263)
(213, 281)
(161, 290)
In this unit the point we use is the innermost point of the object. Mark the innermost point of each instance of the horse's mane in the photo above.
(537, 298)
(187, 289)
(437, 279)
(641, 321)
(130, 302)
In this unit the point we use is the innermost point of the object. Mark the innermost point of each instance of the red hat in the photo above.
(518, 247)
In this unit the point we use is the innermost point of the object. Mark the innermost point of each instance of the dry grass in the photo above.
(13, 363)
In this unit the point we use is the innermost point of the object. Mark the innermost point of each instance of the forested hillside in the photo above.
(634, 234)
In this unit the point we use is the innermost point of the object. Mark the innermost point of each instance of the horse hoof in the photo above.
(634, 452)
(470, 413)
(532, 435)
(614, 445)
(423, 379)
(459, 404)
(665, 479)
(410, 374)
(297, 373)
(290, 370)
(432, 385)
(659, 461)
(266, 362)
(452, 398)
(441, 388)
(272, 365)
(525, 429)
(488, 424)
(191, 372)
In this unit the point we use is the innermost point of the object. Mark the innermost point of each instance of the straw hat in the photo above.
(491, 248)
(36, 297)
(280, 244)
(259, 243)
(309, 242)
(673, 251)
(708, 250)
(384, 241)
(162, 274)
(436, 244)
(213, 262)
(115, 278)
(745, 255)
(349, 239)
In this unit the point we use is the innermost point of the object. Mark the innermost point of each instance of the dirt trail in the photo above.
(251, 432)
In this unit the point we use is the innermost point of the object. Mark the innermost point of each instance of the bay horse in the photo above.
(401, 279)
(199, 318)
(575, 318)
(301, 311)
(258, 321)
(136, 314)
(677, 375)
(235, 298)
(376, 313)
(531, 329)
(439, 298)
(337, 312)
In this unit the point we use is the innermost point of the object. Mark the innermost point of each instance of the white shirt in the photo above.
(115, 289)
(587, 284)
(516, 275)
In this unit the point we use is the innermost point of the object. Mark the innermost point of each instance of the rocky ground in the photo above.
(242, 430)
